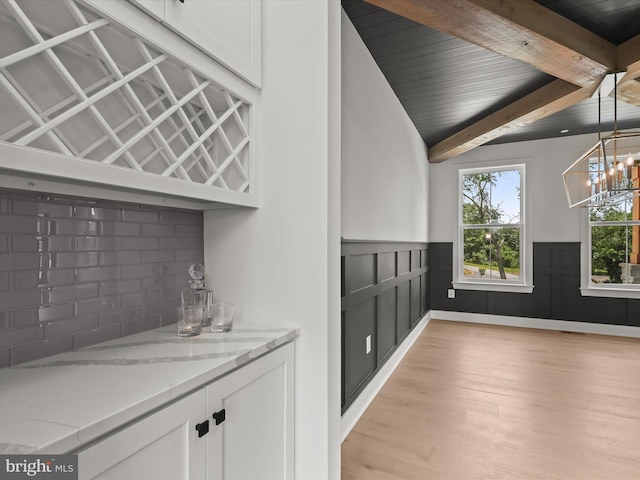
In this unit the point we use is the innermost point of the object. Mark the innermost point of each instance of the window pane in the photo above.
(492, 254)
(506, 196)
(611, 212)
(491, 197)
(609, 254)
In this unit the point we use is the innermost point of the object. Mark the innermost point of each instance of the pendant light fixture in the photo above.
(608, 171)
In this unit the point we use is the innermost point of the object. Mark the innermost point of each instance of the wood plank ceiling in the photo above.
(470, 72)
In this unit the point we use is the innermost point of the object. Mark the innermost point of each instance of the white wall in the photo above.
(280, 263)
(552, 219)
(384, 160)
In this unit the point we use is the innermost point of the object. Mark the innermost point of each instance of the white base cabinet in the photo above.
(238, 427)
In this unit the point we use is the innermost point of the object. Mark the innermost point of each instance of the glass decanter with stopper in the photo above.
(197, 295)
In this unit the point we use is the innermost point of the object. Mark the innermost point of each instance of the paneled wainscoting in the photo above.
(556, 294)
(385, 292)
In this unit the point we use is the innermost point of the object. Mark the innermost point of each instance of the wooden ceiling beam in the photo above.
(629, 60)
(545, 101)
(628, 55)
(519, 29)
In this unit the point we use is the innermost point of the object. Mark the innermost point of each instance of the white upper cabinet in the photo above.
(100, 93)
(228, 30)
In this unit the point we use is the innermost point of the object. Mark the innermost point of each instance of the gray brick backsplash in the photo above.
(42, 278)
(140, 243)
(60, 311)
(178, 218)
(25, 316)
(120, 228)
(96, 274)
(57, 243)
(120, 258)
(15, 224)
(22, 336)
(189, 230)
(26, 243)
(5, 320)
(157, 256)
(19, 261)
(120, 316)
(163, 282)
(19, 299)
(72, 292)
(63, 328)
(140, 325)
(97, 335)
(119, 287)
(75, 259)
(96, 305)
(42, 349)
(5, 358)
(78, 271)
(159, 230)
(42, 209)
(94, 244)
(175, 242)
(72, 227)
(140, 216)
(4, 281)
(95, 213)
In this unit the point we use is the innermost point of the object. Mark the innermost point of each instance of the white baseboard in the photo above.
(358, 407)
(542, 323)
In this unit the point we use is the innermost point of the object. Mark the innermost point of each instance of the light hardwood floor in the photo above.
(474, 401)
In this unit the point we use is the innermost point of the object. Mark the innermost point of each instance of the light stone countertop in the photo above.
(56, 404)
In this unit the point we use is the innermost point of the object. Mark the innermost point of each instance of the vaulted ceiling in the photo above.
(471, 72)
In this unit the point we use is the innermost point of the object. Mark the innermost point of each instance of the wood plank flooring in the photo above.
(473, 401)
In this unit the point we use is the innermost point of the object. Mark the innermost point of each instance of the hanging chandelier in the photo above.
(610, 170)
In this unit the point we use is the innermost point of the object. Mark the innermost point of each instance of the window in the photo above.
(492, 251)
(614, 245)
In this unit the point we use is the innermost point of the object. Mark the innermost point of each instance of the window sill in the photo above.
(494, 287)
(610, 292)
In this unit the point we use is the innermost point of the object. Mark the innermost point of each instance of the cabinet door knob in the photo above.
(202, 428)
(219, 417)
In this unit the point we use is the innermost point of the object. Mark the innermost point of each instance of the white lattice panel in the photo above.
(79, 85)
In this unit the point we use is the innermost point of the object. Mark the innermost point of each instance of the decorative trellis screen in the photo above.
(74, 83)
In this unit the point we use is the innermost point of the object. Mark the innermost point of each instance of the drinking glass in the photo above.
(221, 317)
(190, 320)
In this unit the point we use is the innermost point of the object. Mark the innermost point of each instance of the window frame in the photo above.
(525, 283)
(588, 289)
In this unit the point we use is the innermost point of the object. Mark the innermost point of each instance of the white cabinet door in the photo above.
(229, 30)
(164, 445)
(255, 441)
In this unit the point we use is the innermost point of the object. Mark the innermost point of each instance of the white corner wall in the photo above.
(384, 160)
(546, 160)
(280, 263)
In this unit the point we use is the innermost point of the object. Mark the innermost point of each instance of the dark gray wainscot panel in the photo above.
(556, 294)
(385, 292)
